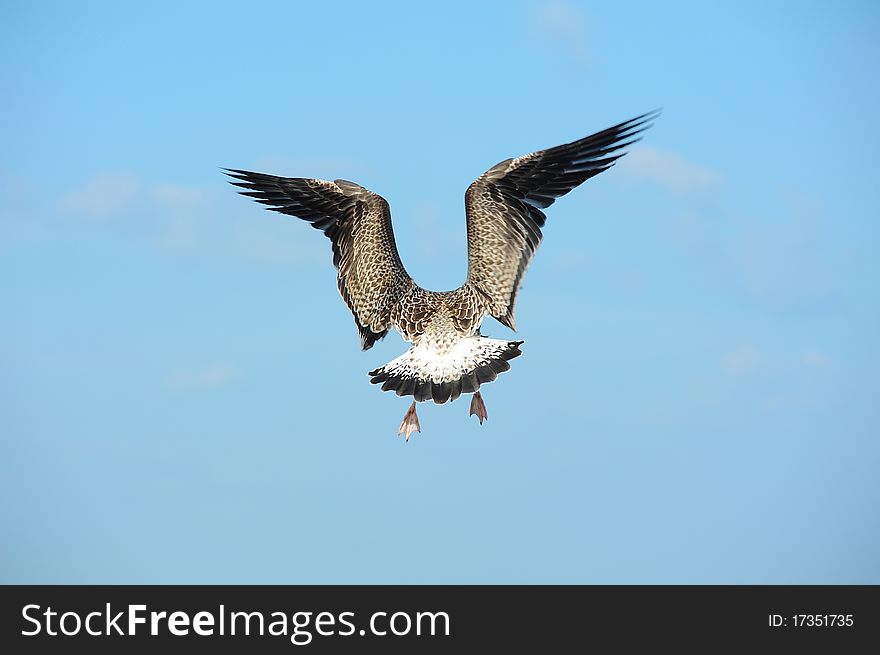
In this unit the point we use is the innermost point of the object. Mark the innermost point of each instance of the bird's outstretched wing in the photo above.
(358, 222)
(504, 204)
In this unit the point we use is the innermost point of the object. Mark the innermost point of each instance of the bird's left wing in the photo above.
(371, 276)
(504, 217)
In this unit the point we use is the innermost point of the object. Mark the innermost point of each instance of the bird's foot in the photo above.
(478, 407)
(410, 422)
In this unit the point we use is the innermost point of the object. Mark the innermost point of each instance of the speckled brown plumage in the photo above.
(463, 309)
(504, 220)
(504, 217)
(371, 277)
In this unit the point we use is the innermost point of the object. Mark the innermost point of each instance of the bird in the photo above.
(504, 206)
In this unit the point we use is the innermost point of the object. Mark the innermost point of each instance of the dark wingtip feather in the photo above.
(625, 134)
(638, 121)
(237, 173)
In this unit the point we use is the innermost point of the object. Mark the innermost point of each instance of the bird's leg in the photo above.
(478, 408)
(410, 422)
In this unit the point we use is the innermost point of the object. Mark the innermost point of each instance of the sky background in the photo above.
(183, 395)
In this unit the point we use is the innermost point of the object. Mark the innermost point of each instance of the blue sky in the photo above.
(184, 396)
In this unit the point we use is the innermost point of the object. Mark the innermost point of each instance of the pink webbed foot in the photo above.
(478, 407)
(410, 422)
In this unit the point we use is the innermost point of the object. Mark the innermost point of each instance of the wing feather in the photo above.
(504, 217)
(371, 276)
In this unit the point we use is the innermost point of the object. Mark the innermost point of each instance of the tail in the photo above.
(425, 373)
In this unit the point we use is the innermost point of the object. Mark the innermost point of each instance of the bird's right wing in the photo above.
(358, 222)
(504, 217)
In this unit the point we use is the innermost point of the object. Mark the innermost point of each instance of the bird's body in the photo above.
(504, 207)
(449, 356)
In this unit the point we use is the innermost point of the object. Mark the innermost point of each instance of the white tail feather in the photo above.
(426, 373)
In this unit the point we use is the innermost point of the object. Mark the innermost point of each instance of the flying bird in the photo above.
(504, 206)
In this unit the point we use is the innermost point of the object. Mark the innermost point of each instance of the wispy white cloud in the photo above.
(202, 221)
(564, 25)
(784, 253)
(103, 195)
(182, 210)
(748, 360)
(206, 221)
(816, 359)
(210, 377)
(178, 197)
(670, 170)
(743, 361)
